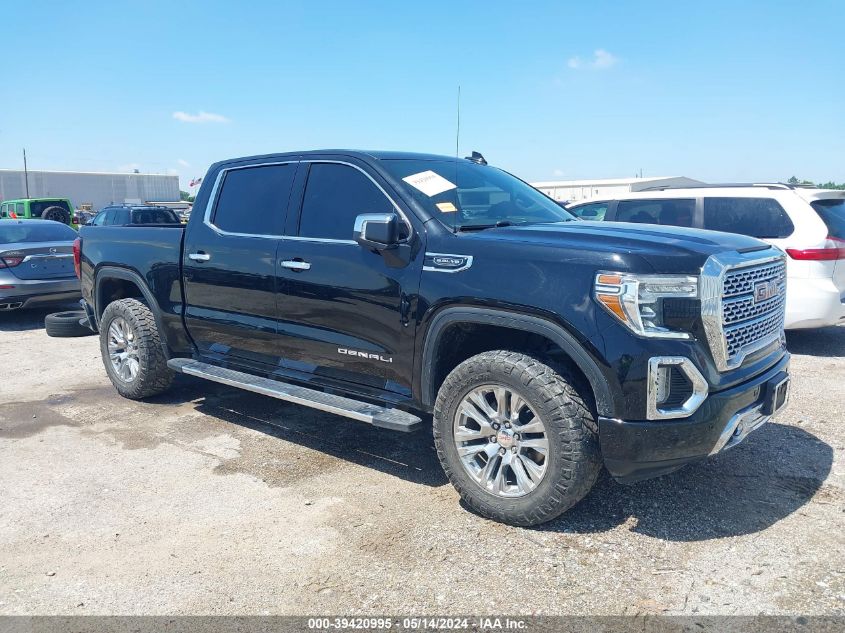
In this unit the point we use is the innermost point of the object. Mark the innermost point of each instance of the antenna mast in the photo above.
(25, 173)
(457, 156)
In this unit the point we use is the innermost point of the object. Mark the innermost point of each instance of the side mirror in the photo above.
(378, 231)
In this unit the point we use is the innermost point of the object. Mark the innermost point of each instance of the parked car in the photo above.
(36, 264)
(125, 214)
(357, 283)
(56, 209)
(81, 218)
(808, 224)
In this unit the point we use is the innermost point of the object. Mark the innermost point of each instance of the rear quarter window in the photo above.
(832, 213)
(756, 217)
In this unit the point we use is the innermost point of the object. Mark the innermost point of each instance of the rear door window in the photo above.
(334, 196)
(832, 213)
(254, 200)
(593, 211)
(755, 217)
(670, 212)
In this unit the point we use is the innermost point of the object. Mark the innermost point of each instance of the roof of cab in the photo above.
(354, 153)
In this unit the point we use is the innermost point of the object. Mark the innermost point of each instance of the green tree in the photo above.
(184, 196)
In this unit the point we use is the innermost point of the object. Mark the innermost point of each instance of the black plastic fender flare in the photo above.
(114, 272)
(516, 321)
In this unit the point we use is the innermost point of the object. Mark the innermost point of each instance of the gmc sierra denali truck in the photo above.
(397, 288)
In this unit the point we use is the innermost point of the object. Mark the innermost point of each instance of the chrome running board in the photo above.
(382, 417)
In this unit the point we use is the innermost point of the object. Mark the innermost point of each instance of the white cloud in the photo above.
(601, 60)
(182, 162)
(200, 117)
(557, 172)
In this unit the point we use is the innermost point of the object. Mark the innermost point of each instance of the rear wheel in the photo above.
(130, 345)
(515, 437)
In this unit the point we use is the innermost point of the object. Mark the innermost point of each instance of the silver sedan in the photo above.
(36, 264)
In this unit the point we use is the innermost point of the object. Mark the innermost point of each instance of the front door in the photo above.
(229, 264)
(344, 310)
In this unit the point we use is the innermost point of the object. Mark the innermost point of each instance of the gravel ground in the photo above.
(213, 501)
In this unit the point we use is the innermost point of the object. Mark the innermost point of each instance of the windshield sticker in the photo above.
(429, 183)
(446, 207)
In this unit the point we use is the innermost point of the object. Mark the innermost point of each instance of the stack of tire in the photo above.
(67, 324)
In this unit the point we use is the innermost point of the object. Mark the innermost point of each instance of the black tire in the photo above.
(574, 460)
(67, 324)
(57, 214)
(153, 376)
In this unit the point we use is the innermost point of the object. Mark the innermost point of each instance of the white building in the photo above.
(576, 190)
(83, 188)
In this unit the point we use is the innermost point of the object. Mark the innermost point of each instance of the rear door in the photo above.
(229, 263)
(344, 310)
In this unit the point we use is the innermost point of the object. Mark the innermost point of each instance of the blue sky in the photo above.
(550, 90)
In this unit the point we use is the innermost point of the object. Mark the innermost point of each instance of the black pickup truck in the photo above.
(399, 288)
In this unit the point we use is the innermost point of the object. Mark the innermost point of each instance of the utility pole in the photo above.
(25, 173)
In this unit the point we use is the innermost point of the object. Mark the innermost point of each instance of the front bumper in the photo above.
(30, 293)
(637, 450)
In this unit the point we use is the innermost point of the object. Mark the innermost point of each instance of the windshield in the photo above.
(832, 212)
(44, 231)
(467, 196)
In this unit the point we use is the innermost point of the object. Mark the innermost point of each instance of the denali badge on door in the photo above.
(352, 352)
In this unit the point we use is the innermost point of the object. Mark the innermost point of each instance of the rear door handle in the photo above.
(199, 257)
(296, 264)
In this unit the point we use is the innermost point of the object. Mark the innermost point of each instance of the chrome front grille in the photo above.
(739, 316)
(743, 335)
(741, 281)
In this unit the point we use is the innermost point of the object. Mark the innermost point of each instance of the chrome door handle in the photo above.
(293, 264)
(199, 257)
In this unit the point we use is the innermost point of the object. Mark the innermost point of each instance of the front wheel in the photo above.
(515, 437)
(130, 345)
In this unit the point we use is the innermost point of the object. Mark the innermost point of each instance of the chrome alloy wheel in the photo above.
(123, 350)
(502, 443)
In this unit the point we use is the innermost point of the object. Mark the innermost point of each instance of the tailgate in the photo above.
(832, 212)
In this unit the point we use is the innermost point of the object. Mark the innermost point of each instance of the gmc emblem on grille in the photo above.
(765, 290)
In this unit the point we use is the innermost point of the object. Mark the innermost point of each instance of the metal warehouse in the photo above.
(84, 188)
(575, 190)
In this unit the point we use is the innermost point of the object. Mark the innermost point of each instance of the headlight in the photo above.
(637, 300)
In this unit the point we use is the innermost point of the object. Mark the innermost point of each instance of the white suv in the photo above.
(808, 224)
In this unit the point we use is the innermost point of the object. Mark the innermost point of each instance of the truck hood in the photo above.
(665, 248)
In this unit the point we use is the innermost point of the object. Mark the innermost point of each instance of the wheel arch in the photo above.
(525, 324)
(105, 292)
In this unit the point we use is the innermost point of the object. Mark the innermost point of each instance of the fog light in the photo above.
(662, 385)
(659, 388)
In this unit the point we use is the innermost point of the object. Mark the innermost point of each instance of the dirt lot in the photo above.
(213, 501)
